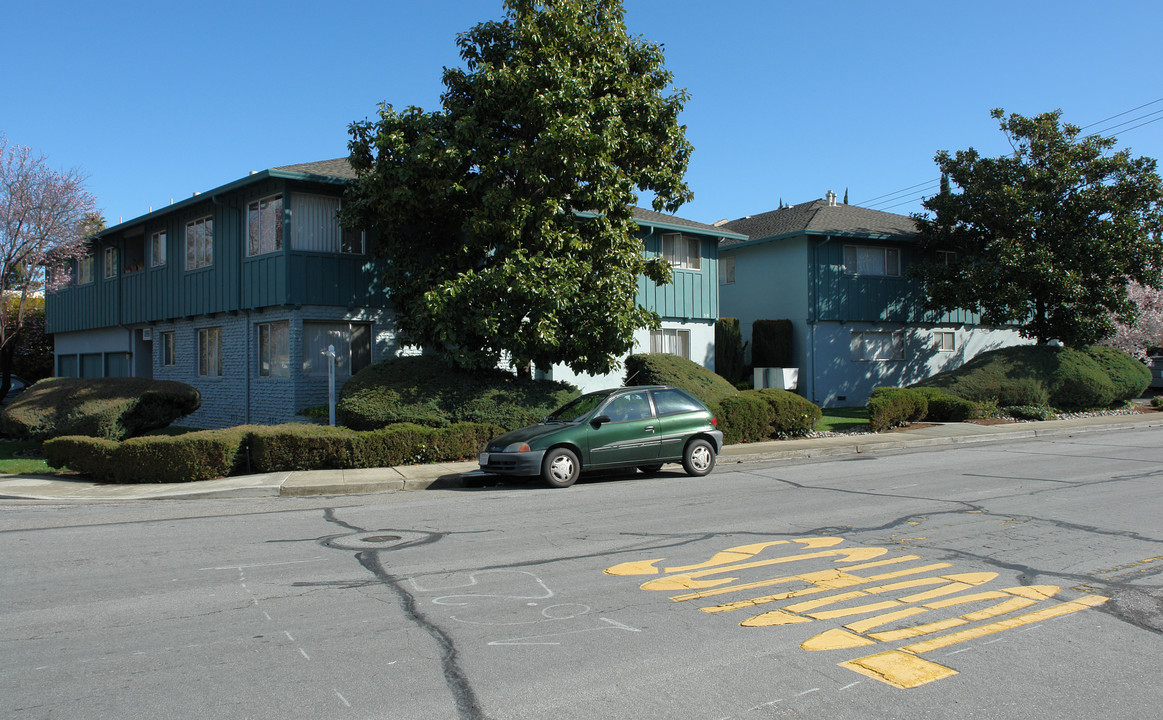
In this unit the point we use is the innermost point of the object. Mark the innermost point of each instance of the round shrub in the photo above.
(111, 408)
(946, 407)
(794, 415)
(745, 418)
(1025, 391)
(662, 369)
(890, 407)
(1129, 376)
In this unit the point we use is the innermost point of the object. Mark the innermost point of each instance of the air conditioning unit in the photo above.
(147, 334)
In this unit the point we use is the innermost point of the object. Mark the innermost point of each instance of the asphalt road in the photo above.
(994, 581)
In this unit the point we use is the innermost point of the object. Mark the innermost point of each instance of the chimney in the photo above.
(831, 196)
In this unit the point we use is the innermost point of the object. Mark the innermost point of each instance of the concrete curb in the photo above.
(315, 483)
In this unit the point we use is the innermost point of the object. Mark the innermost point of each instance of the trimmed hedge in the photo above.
(890, 407)
(771, 343)
(110, 408)
(425, 391)
(757, 415)
(1032, 375)
(662, 369)
(729, 361)
(203, 455)
(945, 406)
(212, 454)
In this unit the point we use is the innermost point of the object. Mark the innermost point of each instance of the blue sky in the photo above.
(154, 101)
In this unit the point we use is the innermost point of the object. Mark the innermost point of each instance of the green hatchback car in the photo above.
(642, 427)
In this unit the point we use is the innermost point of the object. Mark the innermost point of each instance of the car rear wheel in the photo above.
(649, 469)
(560, 468)
(698, 458)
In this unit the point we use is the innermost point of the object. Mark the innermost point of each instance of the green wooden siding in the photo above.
(842, 297)
(231, 283)
(691, 294)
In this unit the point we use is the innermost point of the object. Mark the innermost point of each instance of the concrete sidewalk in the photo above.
(450, 475)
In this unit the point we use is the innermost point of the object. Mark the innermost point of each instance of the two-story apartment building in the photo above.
(239, 291)
(839, 273)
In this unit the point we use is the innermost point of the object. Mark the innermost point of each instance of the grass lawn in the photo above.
(10, 465)
(843, 419)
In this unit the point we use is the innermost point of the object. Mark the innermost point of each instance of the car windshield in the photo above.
(577, 409)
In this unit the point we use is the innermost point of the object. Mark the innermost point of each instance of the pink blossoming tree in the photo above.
(44, 216)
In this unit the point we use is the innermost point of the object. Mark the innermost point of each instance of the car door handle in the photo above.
(649, 428)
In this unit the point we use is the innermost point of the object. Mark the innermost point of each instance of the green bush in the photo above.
(193, 456)
(729, 350)
(1157, 401)
(111, 408)
(771, 343)
(757, 415)
(424, 391)
(1129, 376)
(662, 369)
(211, 454)
(794, 415)
(1072, 379)
(1030, 412)
(745, 418)
(946, 407)
(1025, 391)
(892, 407)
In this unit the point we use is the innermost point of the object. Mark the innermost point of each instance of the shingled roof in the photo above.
(337, 168)
(818, 217)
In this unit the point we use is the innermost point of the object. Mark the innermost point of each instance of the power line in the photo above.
(892, 196)
(1125, 112)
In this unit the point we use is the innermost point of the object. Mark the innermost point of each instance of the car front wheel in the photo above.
(560, 468)
(699, 458)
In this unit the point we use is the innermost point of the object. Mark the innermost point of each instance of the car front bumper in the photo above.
(518, 464)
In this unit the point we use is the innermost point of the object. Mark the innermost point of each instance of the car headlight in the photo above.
(521, 447)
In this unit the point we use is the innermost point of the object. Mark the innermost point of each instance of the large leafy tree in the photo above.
(505, 217)
(1047, 237)
(44, 214)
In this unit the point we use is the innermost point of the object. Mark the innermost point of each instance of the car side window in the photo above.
(632, 406)
(672, 402)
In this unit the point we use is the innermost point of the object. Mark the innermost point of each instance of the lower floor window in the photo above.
(168, 348)
(117, 364)
(671, 342)
(274, 349)
(210, 352)
(878, 345)
(352, 343)
(67, 366)
(92, 365)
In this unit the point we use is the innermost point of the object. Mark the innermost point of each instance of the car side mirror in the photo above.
(599, 421)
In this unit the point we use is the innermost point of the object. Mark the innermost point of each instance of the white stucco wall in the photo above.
(702, 352)
(832, 378)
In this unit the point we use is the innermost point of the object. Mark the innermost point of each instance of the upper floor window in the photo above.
(110, 262)
(315, 226)
(157, 249)
(671, 342)
(946, 257)
(727, 270)
(84, 270)
(264, 226)
(200, 243)
(868, 260)
(682, 251)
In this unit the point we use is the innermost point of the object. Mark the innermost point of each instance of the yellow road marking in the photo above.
(689, 580)
(899, 669)
(730, 555)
